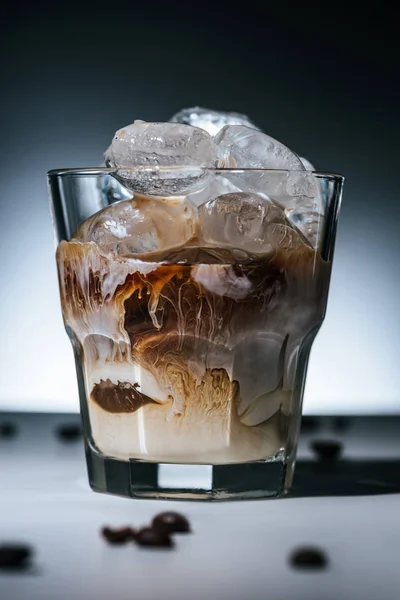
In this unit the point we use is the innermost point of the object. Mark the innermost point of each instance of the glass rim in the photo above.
(232, 170)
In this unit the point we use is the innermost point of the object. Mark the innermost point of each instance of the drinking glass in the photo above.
(191, 318)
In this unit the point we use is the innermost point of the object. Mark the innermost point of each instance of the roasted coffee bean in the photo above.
(308, 558)
(171, 522)
(7, 430)
(327, 449)
(14, 555)
(150, 536)
(118, 536)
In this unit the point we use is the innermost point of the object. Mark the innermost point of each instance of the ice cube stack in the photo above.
(148, 158)
(191, 297)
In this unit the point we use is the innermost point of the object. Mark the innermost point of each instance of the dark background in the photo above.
(318, 78)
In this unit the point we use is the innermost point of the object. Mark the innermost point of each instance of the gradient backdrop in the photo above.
(320, 80)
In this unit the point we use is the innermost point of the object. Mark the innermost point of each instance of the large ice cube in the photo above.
(139, 225)
(287, 180)
(244, 147)
(210, 120)
(147, 156)
(249, 222)
(247, 148)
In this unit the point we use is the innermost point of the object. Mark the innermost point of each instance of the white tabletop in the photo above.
(238, 550)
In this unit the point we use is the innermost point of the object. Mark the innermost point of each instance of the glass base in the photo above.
(140, 479)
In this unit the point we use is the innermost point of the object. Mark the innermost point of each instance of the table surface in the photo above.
(238, 550)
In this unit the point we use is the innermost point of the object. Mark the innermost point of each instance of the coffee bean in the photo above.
(171, 522)
(308, 558)
(8, 430)
(69, 433)
(118, 536)
(327, 449)
(149, 536)
(14, 556)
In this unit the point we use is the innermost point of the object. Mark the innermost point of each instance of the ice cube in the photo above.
(261, 393)
(248, 222)
(308, 220)
(222, 280)
(301, 183)
(248, 148)
(285, 180)
(140, 225)
(147, 157)
(307, 212)
(218, 185)
(210, 120)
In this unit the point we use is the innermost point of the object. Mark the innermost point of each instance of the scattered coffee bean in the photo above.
(308, 558)
(171, 522)
(7, 430)
(118, 536)
(149, 536)
(14, 556)
(69, 433)
(327, 449)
